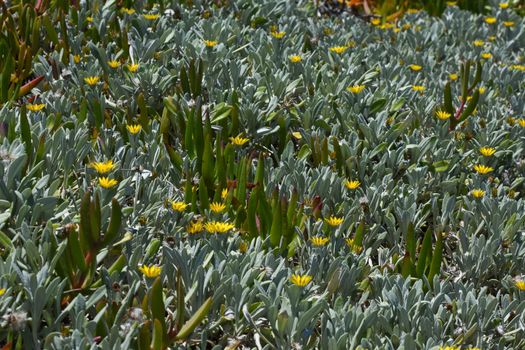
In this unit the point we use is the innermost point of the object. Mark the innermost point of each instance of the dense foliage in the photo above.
(248, 174)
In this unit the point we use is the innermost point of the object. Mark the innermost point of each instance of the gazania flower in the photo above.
(195, 227)
(482, 169)
(375, 21)
(482, 89)
(415, 67)
(355, 89)
(418, 88)
(490, 20)
(520, 284)
(334, 221)
(35, 107)
(76, 58)
(218, 226)
(412, 11)
(114, 64)
(151, 17)
(134, 128)
(452, 3)
(133, 67)
(106, 182)
(338, 49)
(239, 140)
(487, 151)
(277, 35)
(2, 291)
(508, 24)
(443, 115)
(503, 5)
(179, 206)
(477, 193)
(128, 11)
(301, 280)
(295, 58)
(210, 43)
(352, 184)
(453, 76)
(478, 43)
(319, 241)
(217, 207)
(486, 55)
(521, 122)
(224, 193)
(151, 271)
(103, 167)
(91, 80)
(353, 246)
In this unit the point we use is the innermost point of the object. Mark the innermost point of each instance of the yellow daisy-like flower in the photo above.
(114, 64)
(508, 24)
(478, 43)
(334, 221)
(412, 11)
(179, 206)
(443, 115)
(482, 89)
(239, 140)
(353, 246)
(195, 227)
(134, 128)
(521, 122)
(128, 11)
(107, 182)
(133, 67)
(352, 184)
(301, 280)
(338, 49)
(418, 88)
(477, 193)
(453, 76)
(217, 207)
(376, 21)
(355, 89)
(452, 3)
(277, 35)
(415, 67)
(518, 67)
(449, 348)
(503, 5)
(224, 193)
(520, 284)
(151, 16)
(91, 80)
(103, 167)
(35, 107)
(297, 135)
(295, 58)
(482, 169)
(319, 241)
(89, 19)
(210, 43)
(486, 55)
(76, 58)
(151, 271)
(218, 226)
(490, 20)
(487, 151)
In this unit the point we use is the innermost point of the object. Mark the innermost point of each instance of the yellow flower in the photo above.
(295, 58)
(478, 43)
(376, 21)
(210, 43)
(521, 122)
(486, 55)
(452, 3)
(406, 26)
(352, 184)
(224, 193)
(218, 226)
(490, 20)
(334, 221)
(443, 115)
(103, 167)
(300, 280)
(243, 247)
(355, 89)
(482, 169)
(518, 67)
(133, 67)
(151, 17)
(352, 245)
(338, 49)
(477, 193)
(415, 67)
(297, 135)
(114, 64)
(151, 271)
(487, 151)
(217, 207)
(179, 206)
(277, 35)
(128, 11)
(504, 5)
(239, 140)
(106, 182)
(508, 24)
(89, 19)
(412, 11)
(449, 348)
(91, 80)
(76, 58)
(453, 76)
(520, 284)
(195, 227)
(482, 89)
(418, 88)
(319, 241)
(35, 107)
(2, 291)
(134, 128)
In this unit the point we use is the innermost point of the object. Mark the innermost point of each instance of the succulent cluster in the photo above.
(247, 175)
